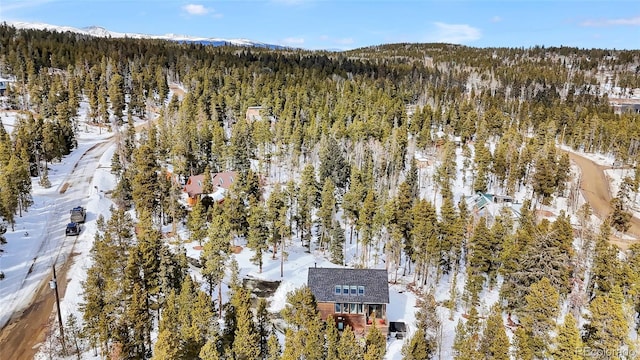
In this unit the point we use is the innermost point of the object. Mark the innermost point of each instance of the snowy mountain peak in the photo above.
(97, 31)
(102, 32)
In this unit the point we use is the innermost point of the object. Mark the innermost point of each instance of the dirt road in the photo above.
(20, 339)
(595, 188)
(27, 328)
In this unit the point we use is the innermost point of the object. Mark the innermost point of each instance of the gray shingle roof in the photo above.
(322, 282)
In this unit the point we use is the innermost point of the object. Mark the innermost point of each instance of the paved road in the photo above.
(595, 188)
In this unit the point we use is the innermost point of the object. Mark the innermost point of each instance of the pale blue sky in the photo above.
(331, 24)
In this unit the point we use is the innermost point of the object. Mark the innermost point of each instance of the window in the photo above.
(345, 289)
(360, 290)
(338, 289)
(353, 309)
(360, 311)
(337, 308)
(345, 308)
(353, 290)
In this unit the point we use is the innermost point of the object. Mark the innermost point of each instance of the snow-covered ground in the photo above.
(402, 307)
(82, 178)
(8, 120)
(38, 242)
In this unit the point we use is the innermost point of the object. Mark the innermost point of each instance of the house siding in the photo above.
(326, 309)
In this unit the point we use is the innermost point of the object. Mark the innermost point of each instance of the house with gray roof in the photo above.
(354, 297)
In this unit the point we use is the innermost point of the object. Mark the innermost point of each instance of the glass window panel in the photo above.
(353, 308)
(338, 289)
(337, 308)
(345, 289)
(361, 290)
(360, 311)
(354, 289)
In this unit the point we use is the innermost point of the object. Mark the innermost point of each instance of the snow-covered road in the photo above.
(43, 228)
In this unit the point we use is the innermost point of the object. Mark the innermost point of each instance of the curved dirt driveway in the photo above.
(595, 188)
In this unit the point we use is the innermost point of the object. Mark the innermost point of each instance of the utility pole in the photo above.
(54, 285)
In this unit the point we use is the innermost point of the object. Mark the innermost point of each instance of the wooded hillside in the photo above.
(333, 161)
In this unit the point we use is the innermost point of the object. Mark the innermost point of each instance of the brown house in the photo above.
(354, 297)
(221, 182)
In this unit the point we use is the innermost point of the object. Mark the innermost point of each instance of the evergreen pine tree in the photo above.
(246, 343)
(607, 329)
(308, 200)
(196, 223)
(495, 343)
(365, 223)
(241, 146)
(332, 337)
(333, 164)
(9, 193)
(412, 179)
(524, 349)
(353, 198)
(479, 257)
(568, 344)
(348, 346)
(215, 253)
(236, 210)
(210, 350)
(190, 340)
(466, 341)
(425, 238)
(167, 346)
(292, 348)
(326, 211)
(416, 348)
(22, 178)
(139, 322)
(375, 344)
(263, 327)
(258, 233)
(144, 182)
(538, 316)
(620, 218)
(149, 245)
(336, 245)
(116, 95)
(44, 179)
(275, 350)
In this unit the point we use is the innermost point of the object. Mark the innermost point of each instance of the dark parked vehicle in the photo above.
(73, 229)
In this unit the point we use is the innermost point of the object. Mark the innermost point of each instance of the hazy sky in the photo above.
(330, 24)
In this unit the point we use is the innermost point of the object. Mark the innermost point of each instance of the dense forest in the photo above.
(342, 129)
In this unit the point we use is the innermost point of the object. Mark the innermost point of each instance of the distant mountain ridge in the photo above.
(98, 31)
